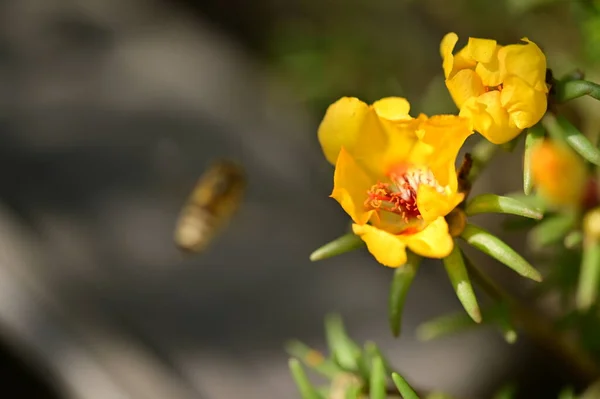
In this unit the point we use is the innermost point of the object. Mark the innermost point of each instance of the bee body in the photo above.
(212, 203)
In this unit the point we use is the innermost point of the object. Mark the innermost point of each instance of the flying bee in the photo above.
(209, 208)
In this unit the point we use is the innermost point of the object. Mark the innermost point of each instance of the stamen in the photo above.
(494, 88)
(400, 195)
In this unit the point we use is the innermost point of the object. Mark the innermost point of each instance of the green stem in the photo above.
(538, 328)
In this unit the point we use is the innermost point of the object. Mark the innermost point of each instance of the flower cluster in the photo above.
(395, 174)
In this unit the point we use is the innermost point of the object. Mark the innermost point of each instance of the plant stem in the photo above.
(539, 328)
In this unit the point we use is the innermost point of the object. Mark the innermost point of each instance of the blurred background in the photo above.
(111, 109)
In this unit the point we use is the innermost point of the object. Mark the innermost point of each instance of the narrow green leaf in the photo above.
(592, 392)
(531, 200)
(578, 141)
(457, 272)
(353, 392)
(499, 250)
(403, 387)
(551, 230)
(307, 390)
(403, 278)
(439, 395)
(567, 393)
(312, 358)
(510, 146)
(492, 203)
(571, 89)
(377, 383)
(506, 392)
(573, 239)
(589, 276)
(508, 331)
(535, 135)
(576, 74)
(445, 325)
(373, 351)
(343, 244)
(551, 125)
(344, 350)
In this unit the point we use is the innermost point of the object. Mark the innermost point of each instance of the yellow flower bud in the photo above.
(502, 89)
(559, 174)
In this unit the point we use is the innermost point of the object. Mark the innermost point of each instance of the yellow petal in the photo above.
(385, 143)
(446, 48)
(433, 242)
(464, 85)
(526, 61)
(490, 118)
(392, 108)
(481, 50)
(388, 249)
(447, 134)
(525, 105)
(489, 71)
(350, 186)
(341, 126)
(433, 204)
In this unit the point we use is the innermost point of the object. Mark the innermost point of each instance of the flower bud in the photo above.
(559, 174)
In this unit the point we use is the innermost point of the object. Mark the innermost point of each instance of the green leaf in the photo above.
(589, 276)
(403, 387)
(354, 392)
(312, 358)
(592, 392)
(499, 250)
(535, 135)
(445, 325)
(510, 146)
(455, 267)
(492, 203)
(567, 393)
(499, 315)
(372, 350)
(572, 89)
(578, 141)
(506, 392)
(551, 230)
(344, 350)
(496, 315)
(403, 278)
(573, 239)
(307, 390)
(377, 383)
(343, 244)
(531, 200)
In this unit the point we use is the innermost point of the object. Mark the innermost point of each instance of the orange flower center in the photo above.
(399, 196)
(494, 88)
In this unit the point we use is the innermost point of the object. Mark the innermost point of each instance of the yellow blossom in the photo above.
(394, 175)
(559, 174)
(501, 88)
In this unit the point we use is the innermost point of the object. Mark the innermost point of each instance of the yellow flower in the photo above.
(501, 88)
(394, 175)
(559, 174)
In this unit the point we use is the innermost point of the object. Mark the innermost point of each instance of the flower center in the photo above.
(399, 196)
(494, 88)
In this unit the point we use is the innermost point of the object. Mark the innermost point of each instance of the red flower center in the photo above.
(399, 196)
